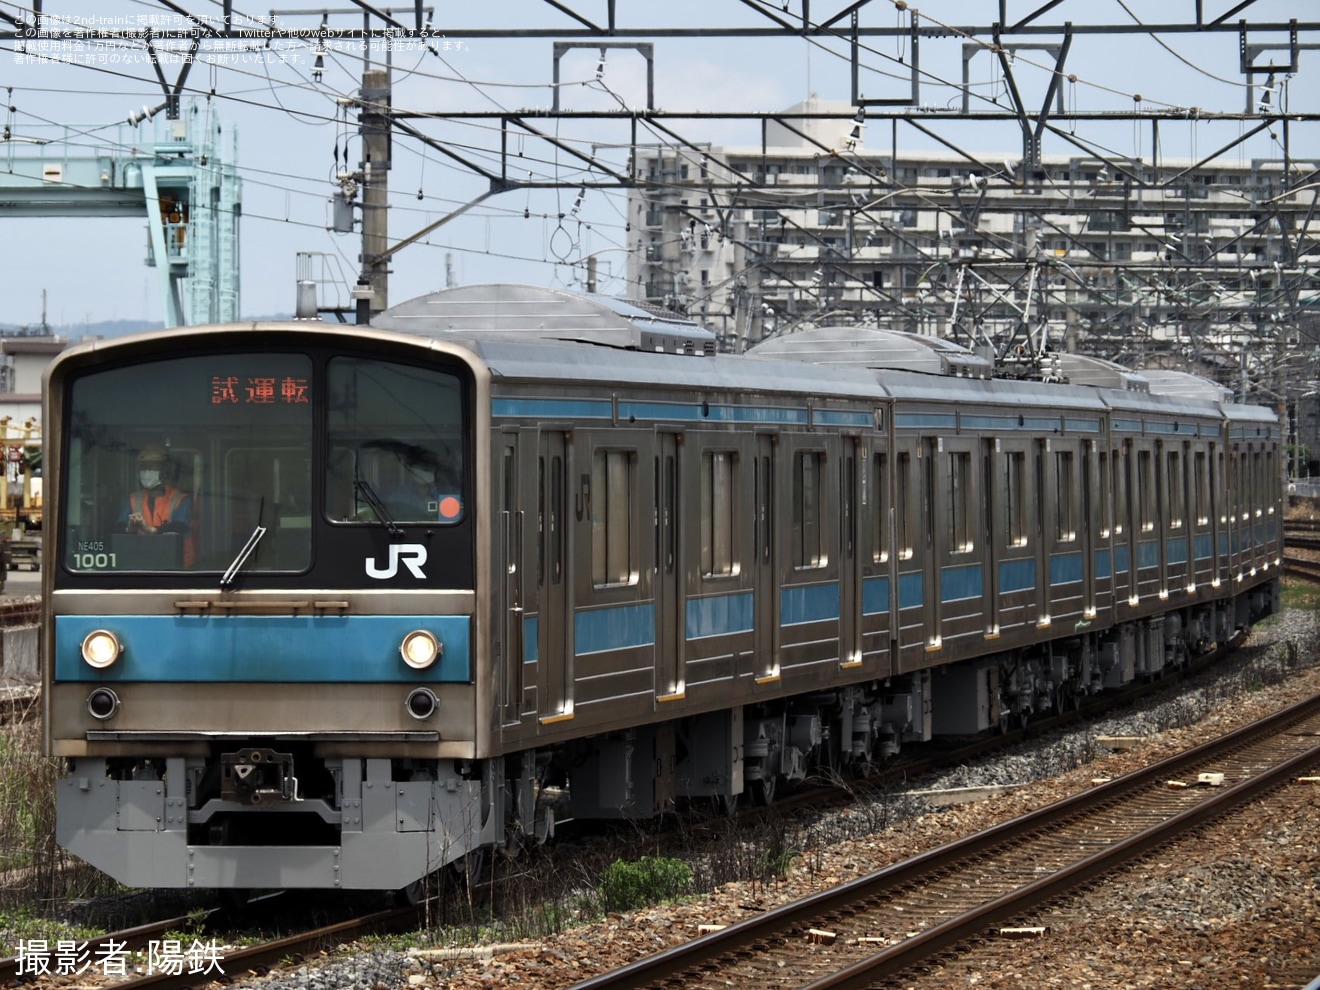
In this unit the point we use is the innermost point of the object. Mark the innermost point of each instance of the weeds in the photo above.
(33, 870)
(649, 880)
(23, 925)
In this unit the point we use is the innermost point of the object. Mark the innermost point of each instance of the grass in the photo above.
(23, 925)
(34, 872)
(1300, 594)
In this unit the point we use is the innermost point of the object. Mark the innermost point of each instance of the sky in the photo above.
(294, 132)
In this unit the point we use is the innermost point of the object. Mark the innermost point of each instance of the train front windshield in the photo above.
(180, 464)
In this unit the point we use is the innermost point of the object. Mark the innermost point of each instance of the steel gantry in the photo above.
(178, 174)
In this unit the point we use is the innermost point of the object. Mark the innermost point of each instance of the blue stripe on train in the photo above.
(267, 648)
(553, 408)
(622, 627)
(911, 589)
(960, 582)
(1065, 568)
(809, 603)
(875, 595)
(719, 615)
(1017, 575)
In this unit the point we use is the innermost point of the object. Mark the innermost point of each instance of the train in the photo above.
(334, 606)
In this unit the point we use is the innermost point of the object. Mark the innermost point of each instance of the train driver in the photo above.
(429, 490)
(157, 506)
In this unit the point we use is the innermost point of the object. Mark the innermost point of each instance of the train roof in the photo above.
(525, 332)
(531, 312)
(543, 360)
(876, 349)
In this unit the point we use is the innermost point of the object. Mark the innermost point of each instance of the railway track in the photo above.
(879, 926)
(1301, 567)
(20, 612)
(19, 704)
(1300, 542)
(134, 939)
(201, 968)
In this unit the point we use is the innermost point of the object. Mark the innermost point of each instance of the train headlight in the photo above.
(101, 648)
(102, 703)
(420, 649)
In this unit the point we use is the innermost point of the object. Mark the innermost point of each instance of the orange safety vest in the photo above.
(158, 511)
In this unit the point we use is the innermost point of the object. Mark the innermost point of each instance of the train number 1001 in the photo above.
(93, 561)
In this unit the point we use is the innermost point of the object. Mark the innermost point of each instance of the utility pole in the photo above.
(372, 292)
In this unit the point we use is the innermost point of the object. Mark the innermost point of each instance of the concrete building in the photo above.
(1199, 266)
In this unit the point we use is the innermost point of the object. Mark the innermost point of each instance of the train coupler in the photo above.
(257, 775)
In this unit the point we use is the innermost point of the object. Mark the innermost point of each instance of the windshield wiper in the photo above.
(228, 577)
(363, 487)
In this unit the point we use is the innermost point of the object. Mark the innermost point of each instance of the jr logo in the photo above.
(412, 555)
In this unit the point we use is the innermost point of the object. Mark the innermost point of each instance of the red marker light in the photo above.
(450, 508)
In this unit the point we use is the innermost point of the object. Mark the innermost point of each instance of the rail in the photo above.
(734, 955)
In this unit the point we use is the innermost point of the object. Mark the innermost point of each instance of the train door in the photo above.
(850, 611)
(1216, 505)
(1124, 522)
(1202, 551)
(510, 651)
(932, 544)
(765, 641)
(909, 553)
(670, 628)
(1163, 467)
(555, 614)
(994, 529)
(1086, 532)
(1043, 541)
(879, 615)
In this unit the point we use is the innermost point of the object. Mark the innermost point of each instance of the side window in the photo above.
(1015, 465)
(1257, 483)
(881, 501)
(1145, 491)
(808, 508)
(1065, 496)
(960, 501)
(1244, 486)
(1106, 497)
(612, 497)
(1271, 471)
(555, 522)
(1176, 490)
(1202, 480)
(719, 496)
(903, 507)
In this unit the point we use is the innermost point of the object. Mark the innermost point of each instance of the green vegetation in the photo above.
(649, 880)
(38, 872)
(21, 925)
(775, 862)
(1300, 594)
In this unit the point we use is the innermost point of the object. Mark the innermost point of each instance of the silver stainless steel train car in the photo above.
(330, 606)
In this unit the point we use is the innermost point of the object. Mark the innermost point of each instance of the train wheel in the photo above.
(725, 805)
(416, 892)
(471, 870)
(763, 790)
(234, 900)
